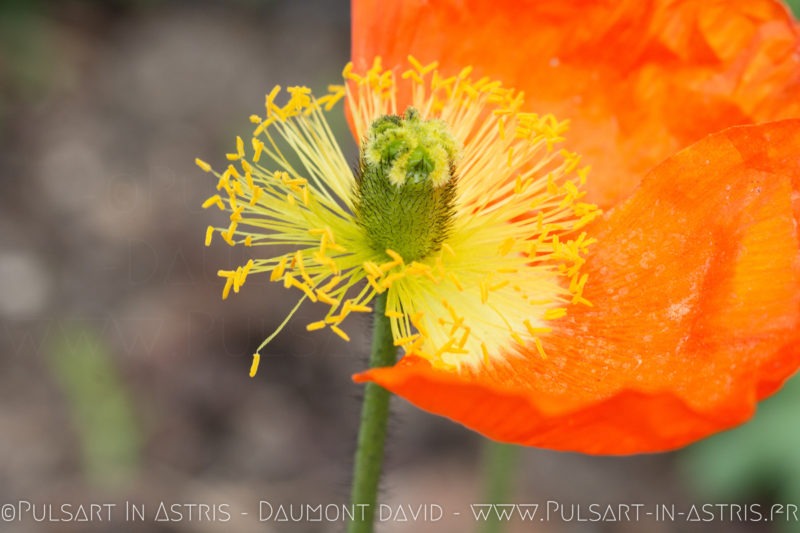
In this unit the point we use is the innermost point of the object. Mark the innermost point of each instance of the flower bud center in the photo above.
(405, 188)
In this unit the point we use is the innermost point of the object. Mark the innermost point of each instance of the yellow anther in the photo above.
(236, 214)
(341, 333)
(258, 147)
(291, 281)
(416, 321)
(506, 246)
(556, 313)
(248, 241)
(523, 185)
(261, 127)
(534, 331)
(332, 265)
(394, 314)
(386, 267)
(416, 268)
(332, 283)
(415, 63)
(238, 188)
(465, 72)
(233, 172)
(326, 298)
(391, 278)
(348, 74)
(583, 173)
(358, 308)
(457, 282)
(501, 128)
(552, 188)
(540, 348)
(336, 247)
(237, 280)
(406, 340)
(254, 364)
(224, 178)
(269, 101)
(581, 284)
(449, 307)
(298, 263)
(239, 147)
(246, 269)
(277, 272)
(413, 75)
(227, 289)
(517, 338)
(209, 234)
(318, 231)
(227, 236)
(377, 288)
(464, 337)
(485, 352)
(255, 119)
(394, 255)
(257, 192)
(372, 269)
(316, 325)
(336, 319)
(500, 285)
(205, 167)
(214, 200)
(246, 166)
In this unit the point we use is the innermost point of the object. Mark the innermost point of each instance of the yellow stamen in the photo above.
(512, 259)
(254, 365)
(214, 200)
(340, 333)
(540, 348)
(205, 167)
(553, 314)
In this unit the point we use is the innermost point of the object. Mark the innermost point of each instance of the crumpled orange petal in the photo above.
(638, 80)
(695, 283)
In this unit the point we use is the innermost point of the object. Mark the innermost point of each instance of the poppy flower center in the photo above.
(476, 266)
(405, 188)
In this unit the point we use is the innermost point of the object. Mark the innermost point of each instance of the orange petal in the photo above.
(638, 80)
(695, 283)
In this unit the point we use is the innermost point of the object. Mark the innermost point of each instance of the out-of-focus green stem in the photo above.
(372, 432)
(499, 466)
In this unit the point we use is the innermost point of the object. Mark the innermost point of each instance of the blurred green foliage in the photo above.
(99, 405)
(795, 5)
(757, 462)
(25, 50)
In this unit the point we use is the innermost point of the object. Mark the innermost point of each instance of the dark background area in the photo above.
(123, 375)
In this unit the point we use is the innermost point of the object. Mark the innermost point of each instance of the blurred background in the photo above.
(123, 375)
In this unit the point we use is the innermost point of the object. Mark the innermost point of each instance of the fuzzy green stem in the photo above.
(499, 466)
(372, 433)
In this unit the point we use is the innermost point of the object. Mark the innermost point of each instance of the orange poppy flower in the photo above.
(694, 278)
